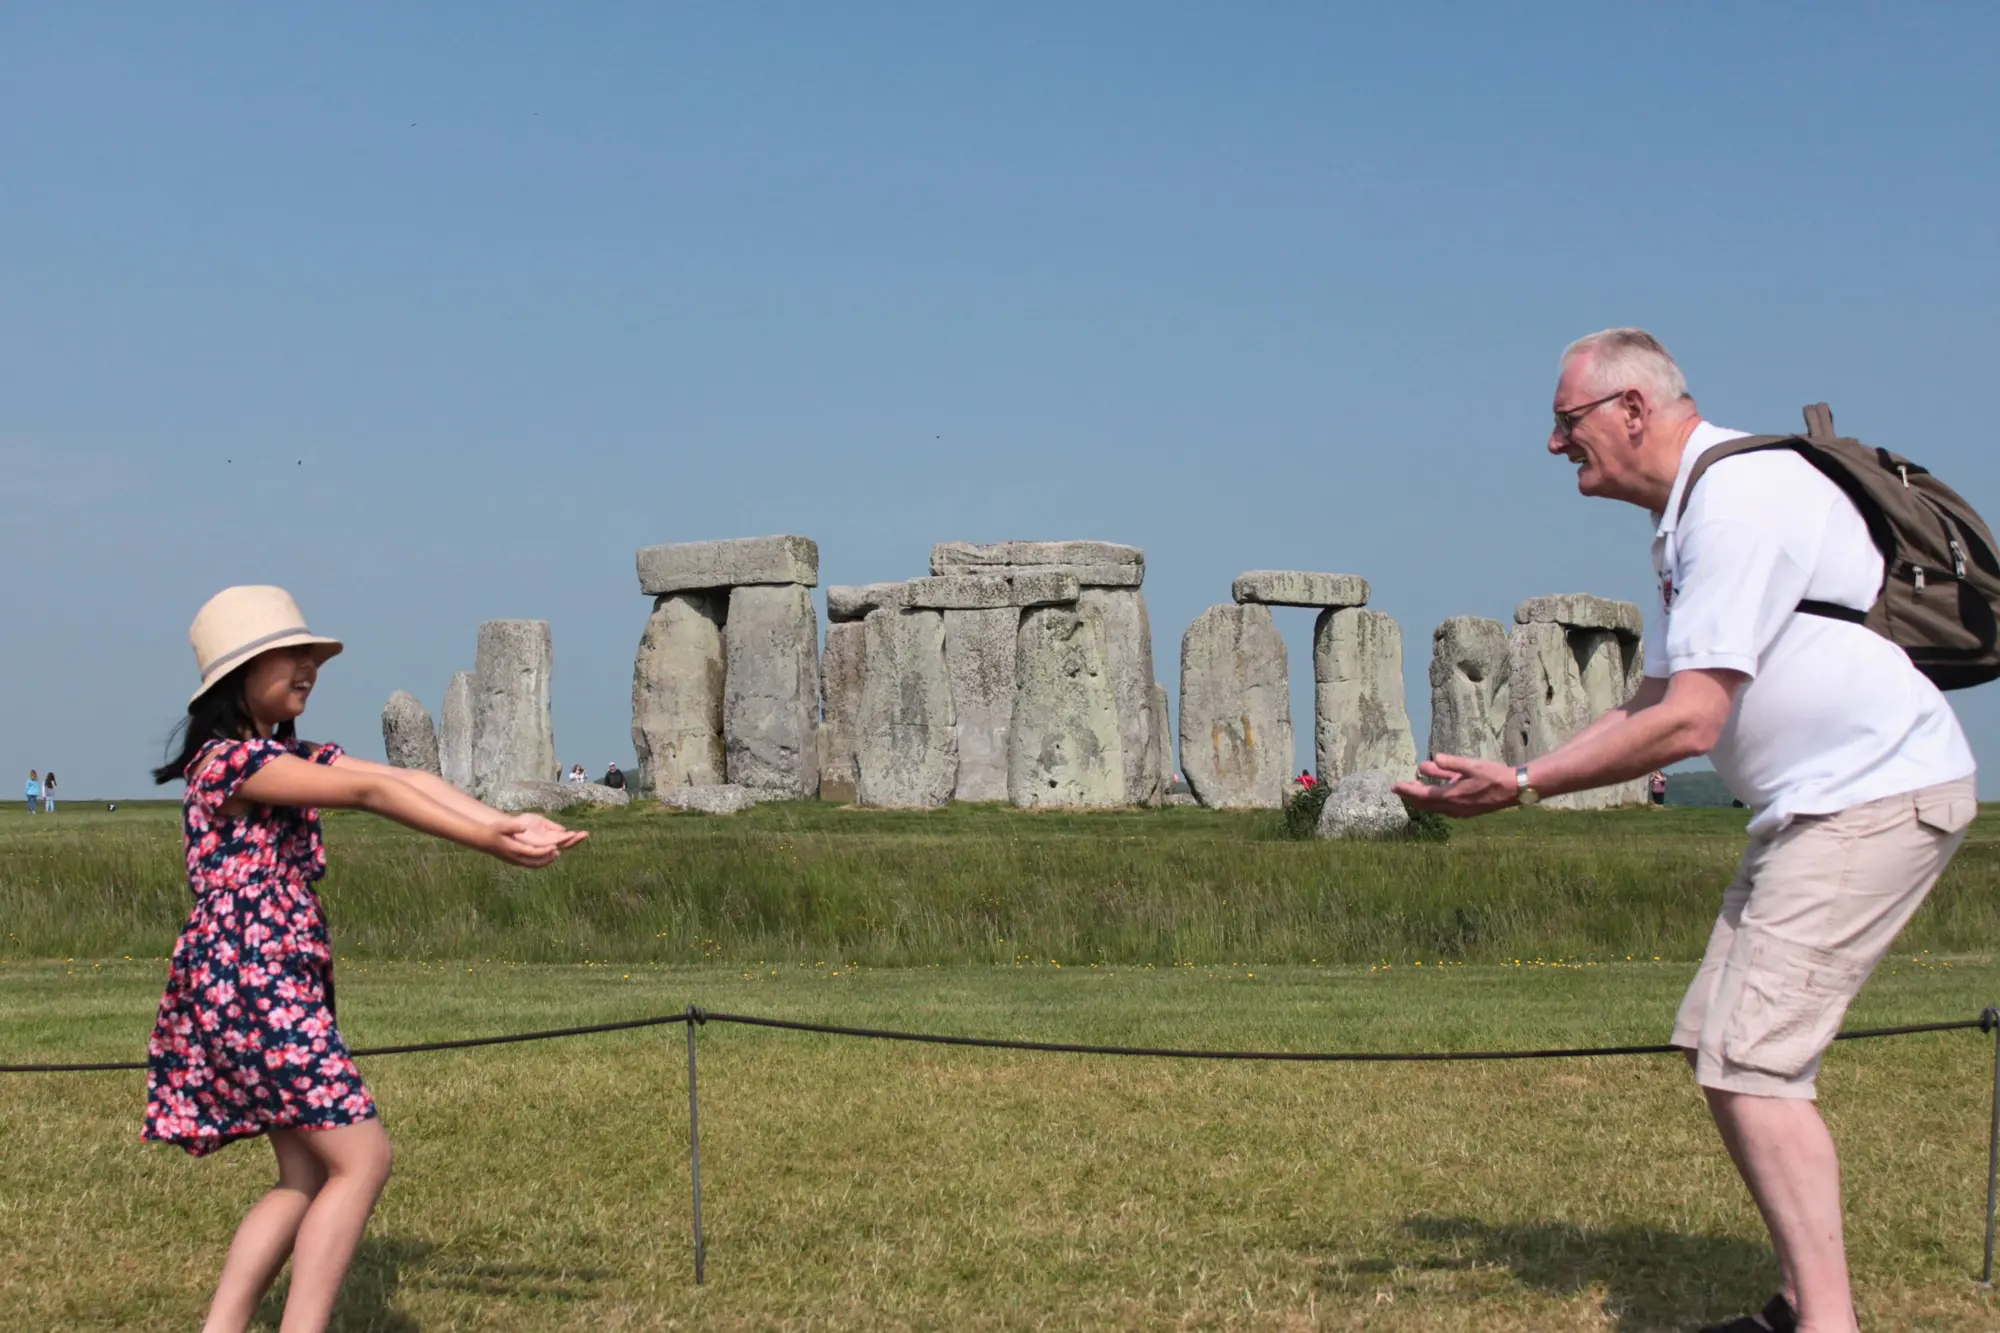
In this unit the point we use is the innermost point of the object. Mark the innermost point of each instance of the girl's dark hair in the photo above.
(218, 715)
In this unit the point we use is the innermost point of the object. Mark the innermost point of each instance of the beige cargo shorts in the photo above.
(1812, 910)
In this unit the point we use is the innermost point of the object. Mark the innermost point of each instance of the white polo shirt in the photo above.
(1834, 714)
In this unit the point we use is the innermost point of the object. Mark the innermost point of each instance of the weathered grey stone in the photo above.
(952, 557)
(853, 601)
(677, 692)
(1363, 805)
(408, 735)
(987, 592)
(979, 654)
(1163, 737)
(1128, 643)
(770, 690)
(736, 562)
(1559, 683)
(840, 676)
(1469, 674)
(1294, 587)
(723, 799)
(513, 736)
(1088, 576)
(1064, 746)
(1580, 610)
(456, 724)
(1174, 799)
(550, 797)
(1236, 709)
(1359, 719)
(905, 744)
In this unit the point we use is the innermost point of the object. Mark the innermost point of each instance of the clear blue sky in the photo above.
(434, 313)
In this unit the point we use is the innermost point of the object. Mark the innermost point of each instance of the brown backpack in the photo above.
(1940, 578)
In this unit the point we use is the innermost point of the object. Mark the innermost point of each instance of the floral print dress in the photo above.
(245, 1040)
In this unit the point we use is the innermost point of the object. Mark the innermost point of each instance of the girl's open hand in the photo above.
(527, 840)
(539, 829)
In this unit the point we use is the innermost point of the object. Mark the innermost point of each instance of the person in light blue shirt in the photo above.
(34, 789)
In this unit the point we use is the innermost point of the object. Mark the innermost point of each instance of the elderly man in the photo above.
(1854, 764)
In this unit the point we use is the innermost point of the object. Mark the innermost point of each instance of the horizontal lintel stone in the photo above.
(1581, 610)
(1086, 576)
(1297, 587)
(735, 562)
(965, 557)
(853, 601)
(988, 592)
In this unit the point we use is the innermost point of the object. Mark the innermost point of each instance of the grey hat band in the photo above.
(234, 654)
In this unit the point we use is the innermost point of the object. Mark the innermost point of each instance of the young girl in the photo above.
(49, 793)
(246, 1042)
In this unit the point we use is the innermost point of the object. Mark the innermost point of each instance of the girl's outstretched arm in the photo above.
(538, 827)
(289, 780)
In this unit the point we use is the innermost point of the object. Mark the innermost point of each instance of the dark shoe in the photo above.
(1778, 1317)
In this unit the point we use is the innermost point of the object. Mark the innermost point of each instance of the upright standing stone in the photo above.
(1064, 746)
(455, 731)
(514, 738)
(1572, 658)
(979, 654)
(408, 735)
(677, 692)
(1236, 709)
(1128, 640)
(1469, 674)
(770, 705)
(840, 677)
(905, 746)
(1359, 718)
(1163, 737)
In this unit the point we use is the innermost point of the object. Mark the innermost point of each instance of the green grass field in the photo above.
(852, 1184)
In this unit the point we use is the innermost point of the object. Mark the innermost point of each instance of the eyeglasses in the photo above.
(1568, 418)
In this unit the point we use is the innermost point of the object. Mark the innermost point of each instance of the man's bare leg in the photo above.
(1784, 1153)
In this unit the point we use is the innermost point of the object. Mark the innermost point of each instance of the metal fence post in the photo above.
(1990, 1022)
(695, 1153)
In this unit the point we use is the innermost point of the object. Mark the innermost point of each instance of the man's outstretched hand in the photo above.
(1470, 786)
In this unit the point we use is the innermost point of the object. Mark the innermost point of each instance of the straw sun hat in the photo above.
(239, 623)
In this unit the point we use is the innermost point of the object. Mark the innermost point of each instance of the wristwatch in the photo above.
(1524, 795)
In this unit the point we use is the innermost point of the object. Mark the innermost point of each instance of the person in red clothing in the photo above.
(246, 1043)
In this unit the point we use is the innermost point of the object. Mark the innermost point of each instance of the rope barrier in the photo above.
(1985, 1023)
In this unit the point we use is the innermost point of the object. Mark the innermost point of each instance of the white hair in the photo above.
(1623, 359)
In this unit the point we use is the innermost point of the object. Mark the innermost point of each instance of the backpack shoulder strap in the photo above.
(1749, 444)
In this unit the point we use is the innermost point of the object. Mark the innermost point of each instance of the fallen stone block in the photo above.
(1363, 805)
(551, 797)
(721, 799)
(1293, 587)
(735, 562)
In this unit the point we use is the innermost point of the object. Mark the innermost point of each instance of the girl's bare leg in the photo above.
(264, 1239)
(356, 1161)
